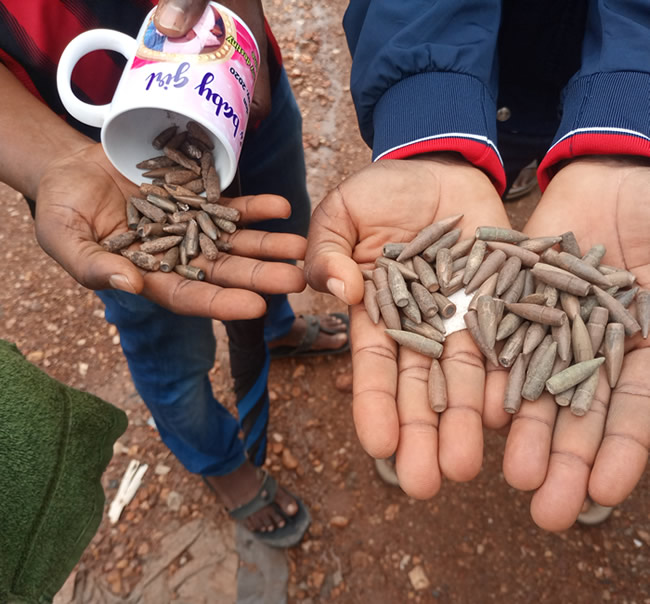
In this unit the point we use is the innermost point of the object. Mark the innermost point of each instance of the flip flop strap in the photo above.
(264, 497)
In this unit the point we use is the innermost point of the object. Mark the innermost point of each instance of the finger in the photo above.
(417, 454)
(526, 457)
(623, 454)
(374, 370)
(197, 298)
(461, 429)
(557, 503)
(494, 415)
(262, 244)
(175, 18)
(255, 208)
(328, 261)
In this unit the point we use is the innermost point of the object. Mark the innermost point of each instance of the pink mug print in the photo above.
(207, 76)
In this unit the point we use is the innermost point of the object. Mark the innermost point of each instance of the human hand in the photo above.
(390, 201)
(81, 201)
(560, 456)
(174, 18)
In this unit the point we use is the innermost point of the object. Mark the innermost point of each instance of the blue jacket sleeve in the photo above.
(424, 77)
(606, 105)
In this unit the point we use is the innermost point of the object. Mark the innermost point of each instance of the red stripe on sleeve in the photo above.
(590, 143)
(23, 77)
(475, 152)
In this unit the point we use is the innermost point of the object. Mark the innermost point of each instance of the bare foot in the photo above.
(240, 486)
(324, 340)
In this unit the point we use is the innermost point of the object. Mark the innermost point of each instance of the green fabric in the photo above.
(55, 443)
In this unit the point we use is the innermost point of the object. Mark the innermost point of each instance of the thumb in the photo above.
(174, 18)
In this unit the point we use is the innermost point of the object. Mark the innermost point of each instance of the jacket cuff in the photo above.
(603, 114)
(439, 111)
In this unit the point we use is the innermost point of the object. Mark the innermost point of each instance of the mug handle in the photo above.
(94, 39)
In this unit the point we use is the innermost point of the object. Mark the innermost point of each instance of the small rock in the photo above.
(418, 578)
(277, 437)
(391, 512)
(339, 521)
(36, 356)
(114, 580)
(480, 548)
(644, 535)
(83, 369)
(404, 561)
(319, 468)
(162, 469)
(289, 461)
(277, 448)
(273, 395)
(122, 564)
(119, 448)
(316, 579)
(298, 372)
(174, 501)
(81, 342)
(344, 382)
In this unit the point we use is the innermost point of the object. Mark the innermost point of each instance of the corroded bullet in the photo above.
(176, 140)
(208, 248)
(397, 285)
(619, 279)
(163, 203)
(538, 372)
(149, 189)
(539, 244)
(562, 335)
(584, 395)
(581, 269)
(164, 137)
(614, 350)
(516, 379)
(179, 191)
(141, 259)
(435, 322)
(587, 304)
(526, 257)
(161, 161)
(562, 364)
(569, 244)
(536, 298)
(392, 250)
(179, 177)
(207, 226)
(581, 341)
(563, 399)
(529, 285)
(625, 297)
(150, 229)
(423, 329)
(446, 241)
(427, 236)
(162, 244)
(455, 284)
(186, 216)
(199, 133)
(182, 253)
(487, 288)
(132, 215)
(190, 272)
(563, 280)
(191, 150)
(160, 172)
(461, 248)
(443, 266)
(508, 325)
(570, 304)
(617, 312)
(539, 314)
(416, 342)
(407, 273)
(387, 308)
(535, 333)
(426, 274)
(643, 311)
(513, 346)
(370, 301)
(446, 307)
(411, 310)
(191, 240)
(596, 326)
(380, 278)
(212, 185)
(471, 321)
(424, 299)
(192, 201)
(474, 260)
(490, 266)
(573, 375)
(119, 242)
(552, 295)
(508, 273)
(459, 264)
(177, 228)
(408, 263)
(437, 387)
(221, 211)
(223, 246)
(516, 290)
(149, 210)
(487, 319)
(169, 260)
(488, 233)
(549, 256)
(225, 225)
(594, 254)
(195, 186)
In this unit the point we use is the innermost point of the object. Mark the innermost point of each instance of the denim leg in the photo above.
(169, 357)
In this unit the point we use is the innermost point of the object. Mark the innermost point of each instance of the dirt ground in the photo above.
(369, 542)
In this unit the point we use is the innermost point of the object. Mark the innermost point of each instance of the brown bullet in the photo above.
(536, 298)
(223, 246)
(192, 201)
(380, 278)
(162, 244)
(426, 274)
(563, 399)
(455, 284)
(132, 215)
(191, 240)
(570, 305)
(221, 211)
(539, 371)
(397, 285)
(508, 325)
(169, 260)
(587, 305)
(190, 272)
(119, 242)
(186, 216)
(573, 375)
(411, 310)
(149, 189)
(207, 226)
(539, 244)
(459, 264)
(561, 279)
(178, 228)
(150, 229)
(474, 260)
(446, 241)
(179, 190)
(416, 342)
(596, 326)
(461, 248)
(195, 186)
(643, 311)
(515, 384)
(617, 312)
(581, 269)
(400, 266)
(584, 395)
(141, 259)
(487, 319)
(436, 322)
(212, 184)
(516, 290)
(423, 329)
(160, 172)
(164, 137)
(594, 255)
(179, 176)
(427, 236)
(535, 333)
(198, 132)
(148, 209)
(569, 244)
(182, 253)
(471, 321)
(446, 307)
(225, 225)
(163, 203)
(388, 309)
(562, 335)
(614, 350)
(508, 273)
(490, 266)
(370, 301)
(191, 150)
(161, 161)
(392, 250)
(437, 387)
(529, 284)
(487, 288)
(549, 256)
(539, 314)
(488, 233)
(208, 248)
(581, 341)
(206, 162)
(619, 279)
(443, 266)
(424, 299)
(513, 346)
(626, 296)
(176, 140)
(526, 257)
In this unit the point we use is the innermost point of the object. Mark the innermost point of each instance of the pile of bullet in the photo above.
(170, 216)
(552, 316)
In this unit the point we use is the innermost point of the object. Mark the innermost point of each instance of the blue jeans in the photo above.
(169, 355)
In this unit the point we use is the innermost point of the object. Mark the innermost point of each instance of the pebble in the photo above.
(83, 369)
(339, 521)
(289, 461)
(418, 578)
(299, 371)
(391, 512)
(162, 469)
(316, 579)
(344, 382)
(36, 356)
(174, 501)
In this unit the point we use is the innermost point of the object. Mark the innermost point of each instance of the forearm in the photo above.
(31, 136)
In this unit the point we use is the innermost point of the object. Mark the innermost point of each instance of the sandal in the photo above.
(282, 537)
(314, 327)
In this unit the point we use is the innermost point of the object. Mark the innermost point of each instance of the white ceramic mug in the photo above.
(207, 76)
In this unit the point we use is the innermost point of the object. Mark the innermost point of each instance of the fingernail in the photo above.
(337, 288)
(171, 17)
(121, 282)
